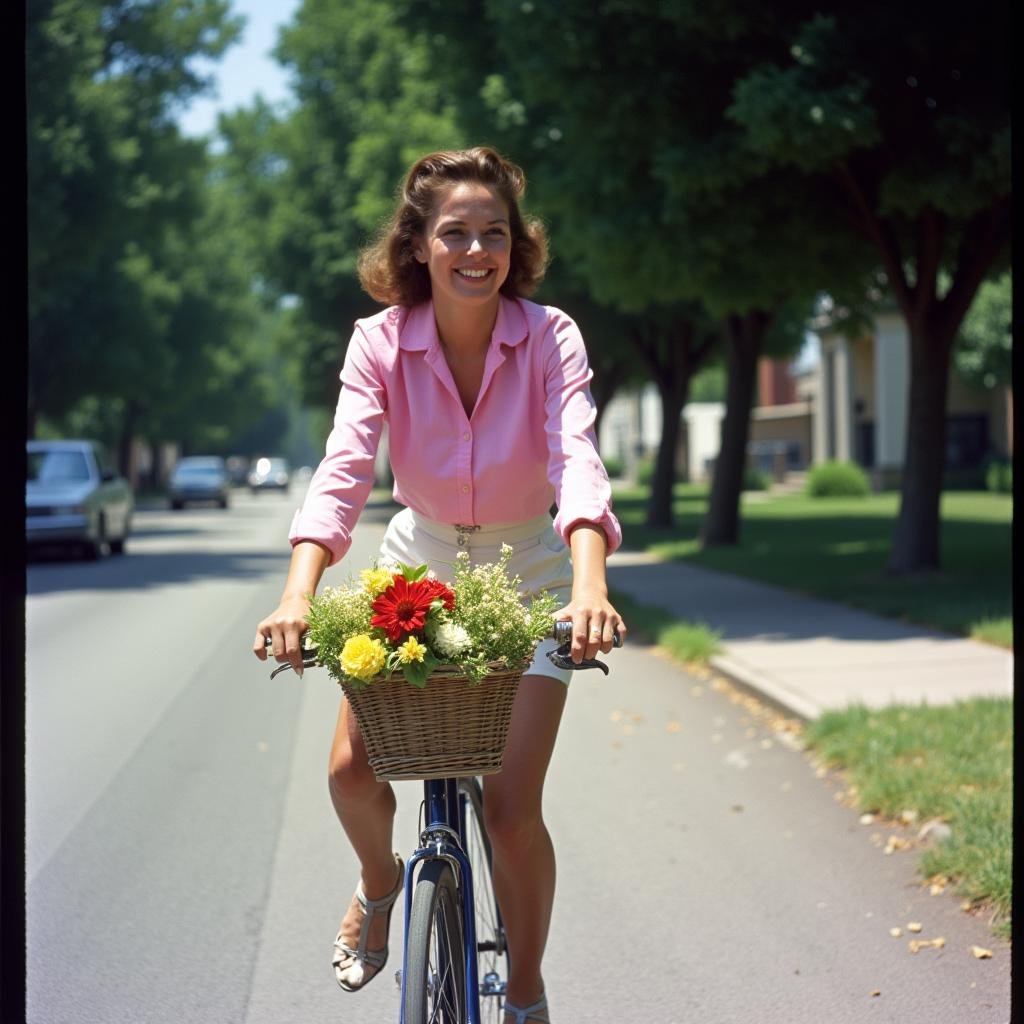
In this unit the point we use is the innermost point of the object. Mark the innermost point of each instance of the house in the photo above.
(860, 393)
(851, 405)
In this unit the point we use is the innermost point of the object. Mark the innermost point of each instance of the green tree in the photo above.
(111, 185)
(902, 112)
(320, 181)
(985, 342)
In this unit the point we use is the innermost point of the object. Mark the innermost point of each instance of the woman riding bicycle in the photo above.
(490, 421)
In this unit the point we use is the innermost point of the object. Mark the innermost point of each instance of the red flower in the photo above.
(442, 591)
(403, 607)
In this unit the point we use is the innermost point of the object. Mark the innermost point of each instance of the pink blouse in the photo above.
(529, 442)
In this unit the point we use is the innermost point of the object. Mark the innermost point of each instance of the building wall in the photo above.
(788, 424)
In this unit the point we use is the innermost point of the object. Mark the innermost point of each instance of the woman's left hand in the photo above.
(594, 623)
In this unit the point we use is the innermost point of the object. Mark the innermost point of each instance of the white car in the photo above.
(74, 496)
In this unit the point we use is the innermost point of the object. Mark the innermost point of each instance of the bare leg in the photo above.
(366, 810)
(524, 858)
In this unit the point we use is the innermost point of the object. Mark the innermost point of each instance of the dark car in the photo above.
(74, 496)
(269, 474)
(199, 478)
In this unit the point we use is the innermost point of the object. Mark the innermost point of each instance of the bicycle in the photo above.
(454, 938)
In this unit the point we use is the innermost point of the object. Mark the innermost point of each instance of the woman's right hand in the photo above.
(285, 627)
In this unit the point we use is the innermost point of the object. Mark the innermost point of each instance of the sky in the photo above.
(245, 69)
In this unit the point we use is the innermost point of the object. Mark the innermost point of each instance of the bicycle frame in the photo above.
(443, 837)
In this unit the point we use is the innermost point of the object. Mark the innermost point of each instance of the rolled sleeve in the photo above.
(342, 482)
(582, 488)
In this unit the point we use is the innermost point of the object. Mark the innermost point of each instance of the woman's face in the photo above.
(467, 244)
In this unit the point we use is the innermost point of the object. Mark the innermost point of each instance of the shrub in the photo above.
(970, 479)
(999, 477)
(837, 480)
(755, 480)
(645, 471)
(614, 467)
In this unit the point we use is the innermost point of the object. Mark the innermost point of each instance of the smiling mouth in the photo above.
(472, 275)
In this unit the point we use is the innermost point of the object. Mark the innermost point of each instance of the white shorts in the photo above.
(539, 557)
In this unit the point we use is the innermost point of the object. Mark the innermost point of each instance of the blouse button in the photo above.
(465, 488)
(466, 435)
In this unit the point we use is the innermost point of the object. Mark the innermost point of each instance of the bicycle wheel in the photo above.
(491, 948)
(435, 970)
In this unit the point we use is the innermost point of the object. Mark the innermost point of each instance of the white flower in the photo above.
(451, 639)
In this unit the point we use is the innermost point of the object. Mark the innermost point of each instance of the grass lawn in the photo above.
(836, 548)
(950, 763)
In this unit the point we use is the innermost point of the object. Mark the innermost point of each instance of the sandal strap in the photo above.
(374, 958)
(343, 951)
(522, 1015)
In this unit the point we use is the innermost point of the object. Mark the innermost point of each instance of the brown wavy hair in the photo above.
(388, 268)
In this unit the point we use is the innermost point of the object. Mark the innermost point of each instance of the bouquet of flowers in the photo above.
(402, 619)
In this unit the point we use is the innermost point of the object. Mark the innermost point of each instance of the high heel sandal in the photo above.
(530, 1012)
(352, 976)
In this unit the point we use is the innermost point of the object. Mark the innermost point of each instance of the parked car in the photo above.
(199, 478)
(269, 474)
(238, 470)
(74, 495)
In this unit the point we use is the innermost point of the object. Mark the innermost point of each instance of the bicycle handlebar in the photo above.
(561, 631)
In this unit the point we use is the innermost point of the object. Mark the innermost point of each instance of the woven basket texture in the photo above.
(449, 729)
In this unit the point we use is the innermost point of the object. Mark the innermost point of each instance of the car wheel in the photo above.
(100, 547)
(223, 502)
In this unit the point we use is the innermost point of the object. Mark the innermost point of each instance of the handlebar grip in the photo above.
(562, 632)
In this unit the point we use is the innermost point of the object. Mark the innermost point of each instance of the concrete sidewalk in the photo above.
(810, 655)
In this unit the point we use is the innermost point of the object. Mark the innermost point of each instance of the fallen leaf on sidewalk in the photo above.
(938, 885)
(897, 843)
(981, 953)
(672, 727)
(616, 716)
(908, 817)
(876, 992)
(918, 944)
(895, 932)
(915, 926)
(867, 819)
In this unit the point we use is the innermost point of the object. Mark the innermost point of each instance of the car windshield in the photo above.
(57, 466)
(203, 471)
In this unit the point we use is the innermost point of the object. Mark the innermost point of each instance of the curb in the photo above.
(762, 686)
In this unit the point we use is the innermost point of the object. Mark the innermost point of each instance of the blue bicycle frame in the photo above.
(444, 837)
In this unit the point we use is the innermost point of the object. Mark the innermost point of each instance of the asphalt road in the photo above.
(184, 863)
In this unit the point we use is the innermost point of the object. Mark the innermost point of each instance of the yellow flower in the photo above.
(362, 658)
(376, 581)
(411, 650)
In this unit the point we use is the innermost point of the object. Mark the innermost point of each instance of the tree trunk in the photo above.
(124, 448)
(673, 356)
(607, 380)
(742, 338)
(915, 543)
(673, 389)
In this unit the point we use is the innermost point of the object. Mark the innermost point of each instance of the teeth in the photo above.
(473, 273)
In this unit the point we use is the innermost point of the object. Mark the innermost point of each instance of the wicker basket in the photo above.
(449, 729)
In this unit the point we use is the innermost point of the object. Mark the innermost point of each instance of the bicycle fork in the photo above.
(439, 840)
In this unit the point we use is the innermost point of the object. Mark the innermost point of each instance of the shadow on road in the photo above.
(143, 571)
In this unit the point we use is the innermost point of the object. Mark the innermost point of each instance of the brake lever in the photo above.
(561, 658)
(308, 659)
